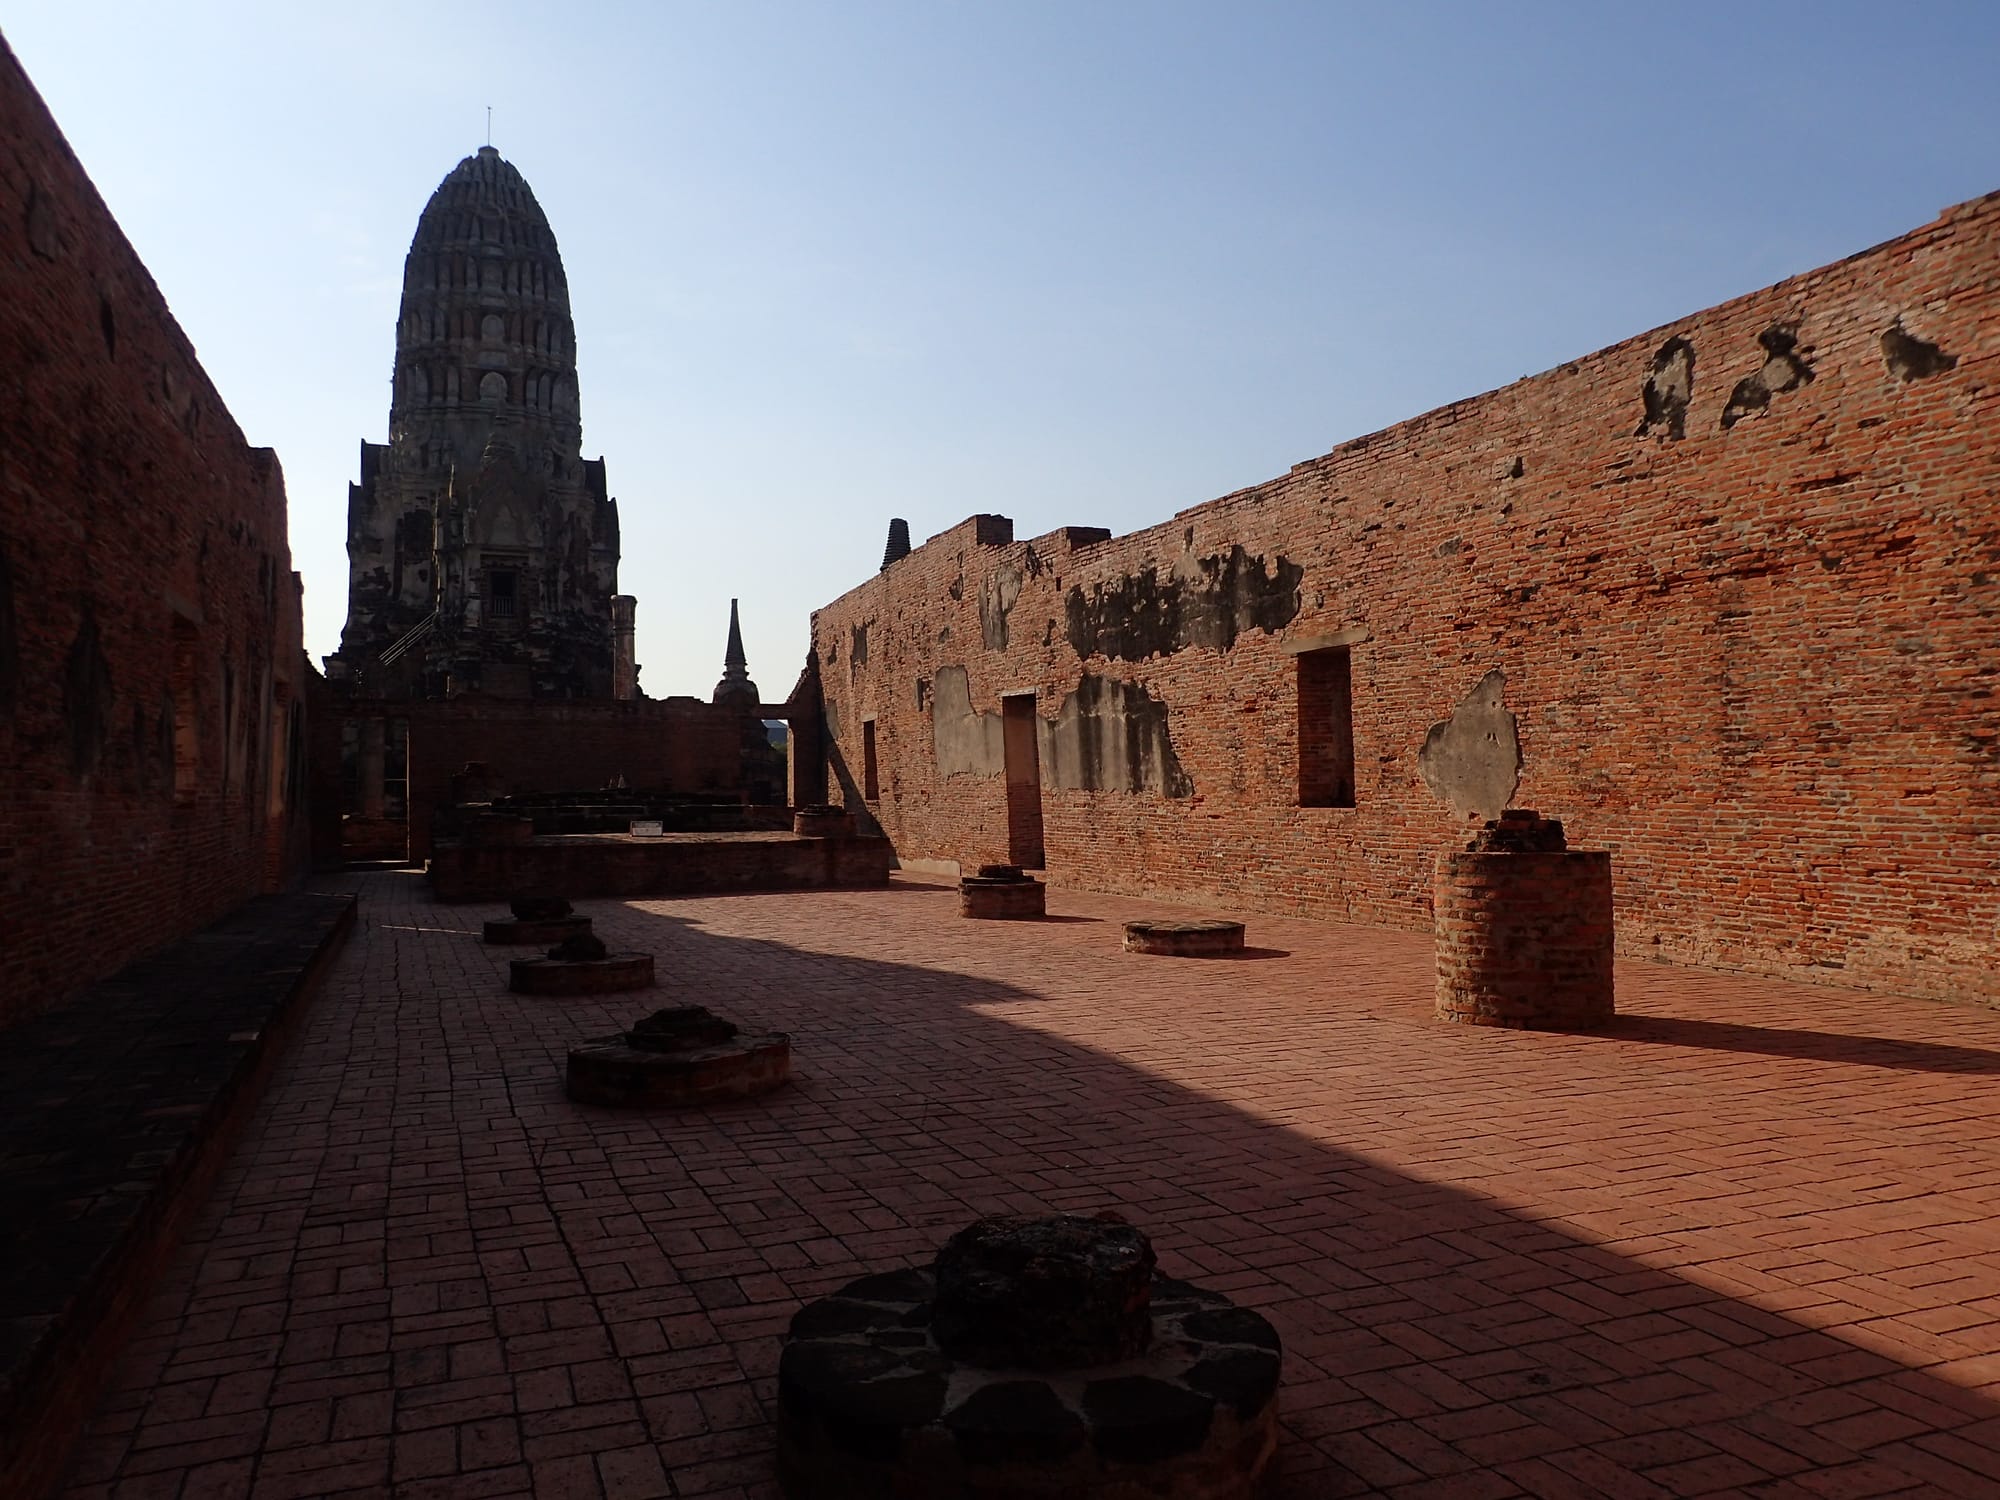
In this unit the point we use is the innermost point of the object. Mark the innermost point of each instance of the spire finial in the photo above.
(489, 124)
(733, 657)
(736, 683)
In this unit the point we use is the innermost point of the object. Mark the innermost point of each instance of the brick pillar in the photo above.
(1524, 932)
(374, 755)
(624, 660)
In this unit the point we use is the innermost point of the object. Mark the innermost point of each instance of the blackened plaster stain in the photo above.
(1473, 759)
(996, 599)
(1913, 358)
(965, 743)
(1112, 736)
(41, 225)
(10, 640)
(87, 696)
(1668, 390)
(1785, 368)
(857, 645)
(1206, 601)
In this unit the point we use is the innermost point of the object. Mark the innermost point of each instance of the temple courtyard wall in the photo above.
(152, 673)
(1722, 597)
(679, 745)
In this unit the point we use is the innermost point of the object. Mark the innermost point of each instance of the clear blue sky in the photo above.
(1079, 263)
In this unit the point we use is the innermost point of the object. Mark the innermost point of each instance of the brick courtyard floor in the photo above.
(1747, 1243)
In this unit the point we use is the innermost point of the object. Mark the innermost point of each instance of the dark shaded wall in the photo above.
(655, 744)
(1723, 597)
(152, 676)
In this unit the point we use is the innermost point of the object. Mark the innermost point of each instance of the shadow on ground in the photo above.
(632, 1273)
(1816, 1046)
(1431, 1334)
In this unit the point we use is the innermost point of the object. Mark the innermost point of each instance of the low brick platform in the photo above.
(1002, 892)
(115, 1111)
(1189, 939)
(608, 1070)
(674, 864)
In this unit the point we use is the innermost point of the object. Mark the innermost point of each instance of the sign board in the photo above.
(646, 828)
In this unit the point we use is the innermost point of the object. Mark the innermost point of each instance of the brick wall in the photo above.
(672, 744)
(150, 648)
(1728, 591)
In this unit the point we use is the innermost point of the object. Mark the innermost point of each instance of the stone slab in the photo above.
(116, 1108)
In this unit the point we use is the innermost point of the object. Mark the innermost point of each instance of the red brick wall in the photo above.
(145, 582)
(1755, 661)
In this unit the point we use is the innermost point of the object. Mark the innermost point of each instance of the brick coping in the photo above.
(116, 1108)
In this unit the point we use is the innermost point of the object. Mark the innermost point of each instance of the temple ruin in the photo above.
(482, 546)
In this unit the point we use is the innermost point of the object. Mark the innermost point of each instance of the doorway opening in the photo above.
(1024, 782)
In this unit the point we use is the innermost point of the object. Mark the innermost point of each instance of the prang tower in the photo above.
(482, 547)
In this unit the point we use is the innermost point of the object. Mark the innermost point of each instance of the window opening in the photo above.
(1326, 728)
(187, 726)
(502, 594)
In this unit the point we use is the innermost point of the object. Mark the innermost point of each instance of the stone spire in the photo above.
(899, 542)
(479, 531)
(736, 683)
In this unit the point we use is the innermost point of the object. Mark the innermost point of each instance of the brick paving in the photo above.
(1744, 1244)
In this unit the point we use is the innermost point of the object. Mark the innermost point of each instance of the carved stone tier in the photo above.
(681, 1056)
(877, 1397)
(1044, 1294)
(822, 822)
(1002, 891)
(539, 908)
(1524, 929)
(1193, 939)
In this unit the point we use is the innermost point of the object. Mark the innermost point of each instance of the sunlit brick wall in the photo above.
(1740, 577)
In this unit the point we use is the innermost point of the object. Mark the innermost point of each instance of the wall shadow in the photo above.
(1817, 1046)
(1431, 1334)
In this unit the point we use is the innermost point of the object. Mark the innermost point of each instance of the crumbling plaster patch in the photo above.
(996, 598)
(1785, 368)
(1203, 601)
(1912, 358)
(965, 743)
(1668, 390)
(1112, 736)
(1472, 760)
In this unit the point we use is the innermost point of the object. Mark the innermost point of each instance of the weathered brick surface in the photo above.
(1753, 661)
(150, 651)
